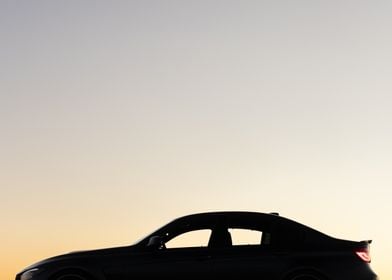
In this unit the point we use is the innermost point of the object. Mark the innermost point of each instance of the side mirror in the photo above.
(155, 242)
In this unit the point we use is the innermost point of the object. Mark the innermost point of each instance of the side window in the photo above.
(195, 238)
(245, 236)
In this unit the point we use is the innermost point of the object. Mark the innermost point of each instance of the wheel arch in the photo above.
(298, 274)
(86, 273)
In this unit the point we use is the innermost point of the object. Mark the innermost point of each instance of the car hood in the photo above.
(82, 255)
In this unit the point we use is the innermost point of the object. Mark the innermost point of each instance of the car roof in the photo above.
(231, 214)
(255, 220)
(241, 219)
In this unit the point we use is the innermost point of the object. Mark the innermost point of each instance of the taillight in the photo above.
(363, 254)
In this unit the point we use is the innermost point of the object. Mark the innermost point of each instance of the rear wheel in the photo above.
(305, 276)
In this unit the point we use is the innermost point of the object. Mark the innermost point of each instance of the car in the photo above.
(218, 245)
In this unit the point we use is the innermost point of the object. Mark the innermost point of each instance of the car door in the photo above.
(176, 263)
(182, 263)
(246, 258)
(244, 262)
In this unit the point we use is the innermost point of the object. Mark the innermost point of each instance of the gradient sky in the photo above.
(118, 116)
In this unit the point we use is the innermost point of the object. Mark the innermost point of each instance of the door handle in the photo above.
(281, 254)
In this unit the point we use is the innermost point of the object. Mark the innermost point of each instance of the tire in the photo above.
(305, 276)
(71, 275)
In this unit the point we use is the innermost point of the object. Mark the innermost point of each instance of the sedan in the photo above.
(215, 245)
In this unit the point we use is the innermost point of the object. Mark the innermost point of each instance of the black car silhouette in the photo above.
(218, 245)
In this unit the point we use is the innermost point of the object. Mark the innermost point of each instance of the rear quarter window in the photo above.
(241, 236)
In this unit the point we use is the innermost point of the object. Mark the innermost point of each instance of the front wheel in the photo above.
(71, 275)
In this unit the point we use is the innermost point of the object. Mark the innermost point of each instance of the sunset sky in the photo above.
(118, 116)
